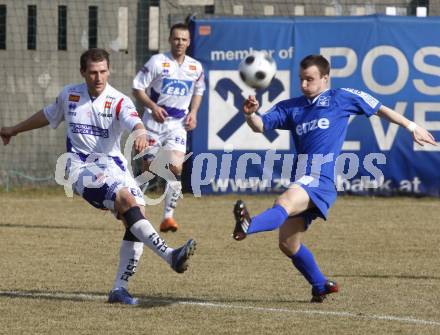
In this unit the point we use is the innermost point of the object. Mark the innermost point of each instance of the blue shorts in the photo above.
(322, 192)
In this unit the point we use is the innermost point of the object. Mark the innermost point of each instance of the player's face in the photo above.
(312, 82)
(179, 42)
(96, 76)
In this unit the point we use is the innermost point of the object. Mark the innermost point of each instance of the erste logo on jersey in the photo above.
(307, 127)
(176, 87)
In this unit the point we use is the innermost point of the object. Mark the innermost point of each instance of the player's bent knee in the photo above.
(285, 249)
(288, 248)
(285, 204)
(124, 200)
(176, 169)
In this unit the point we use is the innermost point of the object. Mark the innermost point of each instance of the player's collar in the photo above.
(103, 93)
(312, 101)
(171, 57)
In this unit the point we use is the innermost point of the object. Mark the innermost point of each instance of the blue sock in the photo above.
(269, 220)
(306, 264)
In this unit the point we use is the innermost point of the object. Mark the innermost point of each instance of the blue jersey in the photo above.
(319, 127)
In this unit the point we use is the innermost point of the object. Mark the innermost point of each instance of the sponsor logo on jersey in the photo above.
(371, 101)
(193, 67)
(176, 87)
(165, 64)
(307, 127)
(74, 97)
(107, 106)
(87, 129)
(71, 106)
(165, 72)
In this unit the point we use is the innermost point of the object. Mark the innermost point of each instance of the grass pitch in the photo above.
(59, 255)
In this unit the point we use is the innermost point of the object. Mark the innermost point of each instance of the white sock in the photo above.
(173, 193)
(145, 232)
(129, 255)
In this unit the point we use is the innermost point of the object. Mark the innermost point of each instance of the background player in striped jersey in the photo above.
(170, 87)
(95, 115)
(318, 122)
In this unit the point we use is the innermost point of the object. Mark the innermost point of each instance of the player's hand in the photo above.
(421, 136)
(141, 142)
(250, 105)
(190, 122)
(6, 133)
(159, 114)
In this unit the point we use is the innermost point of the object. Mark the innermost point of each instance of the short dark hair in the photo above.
(94, 55)
(321, 63)
(178, 26)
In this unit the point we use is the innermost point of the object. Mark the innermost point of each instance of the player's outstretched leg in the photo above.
(181, 256)
(329, 287)
(270, 219)
(242, 221)
(142, 229)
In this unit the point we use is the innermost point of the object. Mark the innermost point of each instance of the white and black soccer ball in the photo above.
(257, 69)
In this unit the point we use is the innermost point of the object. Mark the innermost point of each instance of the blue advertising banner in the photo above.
(395, 59)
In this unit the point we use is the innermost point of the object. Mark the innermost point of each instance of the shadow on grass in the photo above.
(377, 276)
(145, 301)
(27, 226)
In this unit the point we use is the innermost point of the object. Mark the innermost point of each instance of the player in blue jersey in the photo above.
(318, 121)
(95, 115)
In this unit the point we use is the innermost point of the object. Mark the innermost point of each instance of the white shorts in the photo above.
(170, 135)
(98, 183)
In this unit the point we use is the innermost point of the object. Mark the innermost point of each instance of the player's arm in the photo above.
(250, 108)
(420, 134)
(38, 120)
(159, 114)
(191, 118)
(130, 121)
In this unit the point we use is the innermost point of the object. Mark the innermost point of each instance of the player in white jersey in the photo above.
(170, 87)
(95, 116)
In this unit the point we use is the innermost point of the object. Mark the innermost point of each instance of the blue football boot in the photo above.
(180, 256)
(121, 295)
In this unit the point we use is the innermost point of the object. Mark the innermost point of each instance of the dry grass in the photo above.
(383, 252)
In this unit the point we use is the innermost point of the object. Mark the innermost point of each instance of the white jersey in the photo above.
(169, 84)
(93, 126)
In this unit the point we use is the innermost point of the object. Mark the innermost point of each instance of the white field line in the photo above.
(351, 315)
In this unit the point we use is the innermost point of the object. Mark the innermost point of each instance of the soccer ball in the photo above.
(257, 69)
